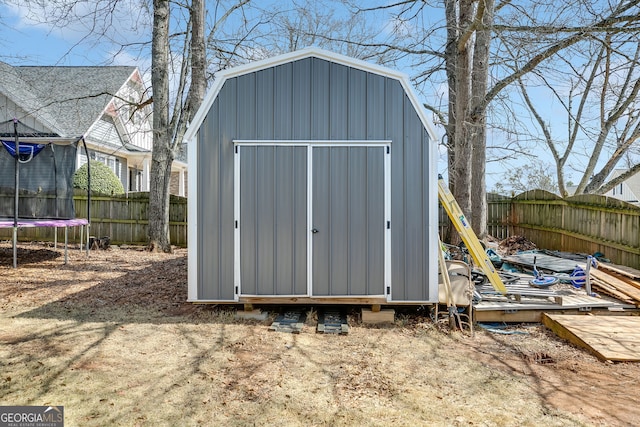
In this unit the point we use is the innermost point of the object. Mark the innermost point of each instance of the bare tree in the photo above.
(169, 124)
(162, 154)
(536, 175)
(601, 104)
(479, 39)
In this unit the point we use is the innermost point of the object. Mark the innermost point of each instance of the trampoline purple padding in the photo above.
(8, 222)
(43, 222)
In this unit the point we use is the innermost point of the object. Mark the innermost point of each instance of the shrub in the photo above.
(103, 180)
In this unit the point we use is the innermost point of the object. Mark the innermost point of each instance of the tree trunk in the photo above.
(467, 64)
(461, 174)
(450, 126)
(198, 59)
(162, 155)
(479, 82)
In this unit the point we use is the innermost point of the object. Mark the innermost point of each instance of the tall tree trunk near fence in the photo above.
(461, 165)
(450, 126)
(159, 238)
(467, 64)
(162, 155)
(168, 132)
(478, 117)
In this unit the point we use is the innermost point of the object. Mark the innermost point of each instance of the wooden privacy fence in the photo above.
(586, 224)
(498, 212)
(582, 224)
(124, 219)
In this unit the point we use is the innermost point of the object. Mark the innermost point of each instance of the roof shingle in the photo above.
(66, 99)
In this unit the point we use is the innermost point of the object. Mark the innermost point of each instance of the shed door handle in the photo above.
(314, 231)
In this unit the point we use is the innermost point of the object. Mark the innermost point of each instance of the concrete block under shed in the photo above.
(387, 315)
(256, 314)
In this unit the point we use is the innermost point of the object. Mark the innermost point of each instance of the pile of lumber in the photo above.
(617, 282)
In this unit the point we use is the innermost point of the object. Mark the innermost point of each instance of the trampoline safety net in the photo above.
(45, 182)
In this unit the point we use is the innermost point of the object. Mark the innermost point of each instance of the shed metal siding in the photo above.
(313, 98)
(215, 211)
(247, 115)
(319, 97)
(283, 101)
(300, 100)
(338, 101)
(263, 102)
(348, 212)
(273, 220)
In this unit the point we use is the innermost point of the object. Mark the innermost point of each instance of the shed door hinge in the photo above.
(236, 147)
(388, 225)
(236, 224)
(388, 290)
(388, 149)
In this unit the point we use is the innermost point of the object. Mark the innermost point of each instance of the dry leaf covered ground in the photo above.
(112, 339)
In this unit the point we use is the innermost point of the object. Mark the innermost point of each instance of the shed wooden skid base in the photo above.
(313, 301)
(383, 316)
(610, 338)
(316, 301)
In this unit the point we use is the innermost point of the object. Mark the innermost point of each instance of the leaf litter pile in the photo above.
(112, 339)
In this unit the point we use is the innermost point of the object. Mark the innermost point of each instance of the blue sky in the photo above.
(24, 41)
(24, 44)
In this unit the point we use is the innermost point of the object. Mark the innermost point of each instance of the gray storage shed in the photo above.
(312, 179)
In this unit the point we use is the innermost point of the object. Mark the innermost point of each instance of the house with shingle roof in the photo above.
(99, 103)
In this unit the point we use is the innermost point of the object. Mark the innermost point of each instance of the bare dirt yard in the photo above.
(112, 339)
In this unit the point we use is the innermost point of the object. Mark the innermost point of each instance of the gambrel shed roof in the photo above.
(311, 52)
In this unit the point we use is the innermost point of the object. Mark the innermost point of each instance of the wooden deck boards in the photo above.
(530, 309)
(621, 269)
(617, 283)
(615, 338)
(524, 303)
(550, 303)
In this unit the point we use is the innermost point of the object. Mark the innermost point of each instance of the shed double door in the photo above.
(311, 220)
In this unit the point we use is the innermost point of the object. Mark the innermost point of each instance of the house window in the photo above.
(113, 162)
